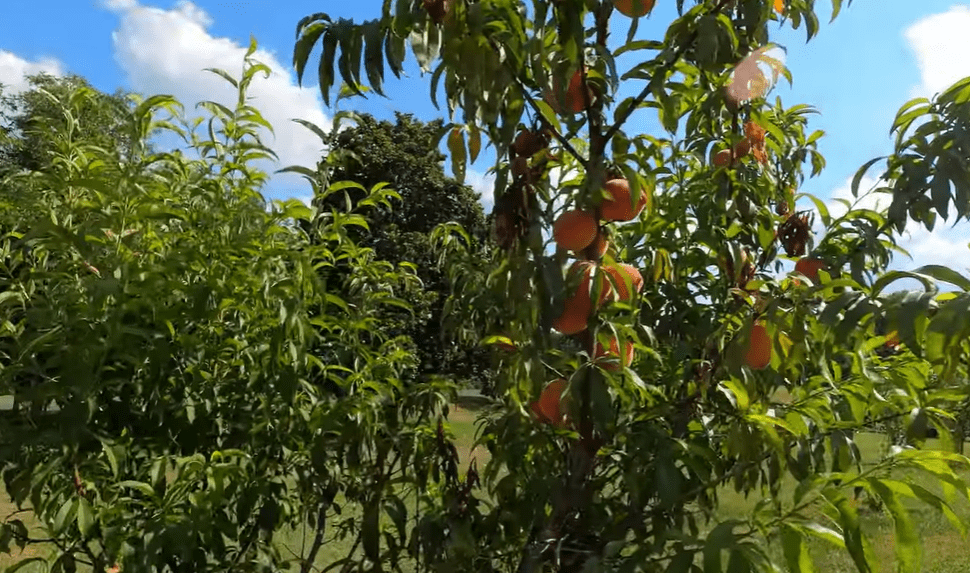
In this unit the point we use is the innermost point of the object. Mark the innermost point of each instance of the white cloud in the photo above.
(945, 245)
(166, 51)
(940, 42)
(119, 4)
(13, 69)
(483, 184)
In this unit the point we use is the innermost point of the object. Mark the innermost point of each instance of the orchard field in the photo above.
(946, 549)
(195, 378)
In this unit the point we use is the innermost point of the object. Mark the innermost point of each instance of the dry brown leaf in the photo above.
(749, 81)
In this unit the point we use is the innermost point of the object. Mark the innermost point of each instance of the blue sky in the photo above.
(857, 72)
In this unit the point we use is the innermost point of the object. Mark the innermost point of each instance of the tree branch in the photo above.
(321, 526)
(528, 97)
(664, 69)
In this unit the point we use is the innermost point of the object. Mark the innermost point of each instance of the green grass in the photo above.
(7, 508)
(944, 551)
(461, 421)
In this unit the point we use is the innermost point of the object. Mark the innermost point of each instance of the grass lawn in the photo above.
(461, 420)
(944, 551)
(7, 508)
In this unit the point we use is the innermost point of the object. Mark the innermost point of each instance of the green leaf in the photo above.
(85, 516)
(348, 63)
(398, 513)
(252, 47)
(251, 115)
(340, 117)
(861, 172)
(325, 68)
(25, 563)
(374, 55)
(394, 51)
(669, 481)
(848, 518)
(424, 46)
(823, 210)
(908, 547)
(836, 8)
(112, 458)
(796, 550)
(307, 20)
(721, 538)
(547, 114)
(435, 78)
(308, 174)
(824, 533)
(341, 185)
(738, 562)
(906, 116)
(638, 45)
(681, 563)
(932, 500)
(947, 330)
(224, 74)
(892, 276)
(11, 296)
(216, 109)
(940, 194)
(952, 93)
(945, 274)
(65, 515)
(456, 145)
(736, 393)
(304, 45)
(141, 487)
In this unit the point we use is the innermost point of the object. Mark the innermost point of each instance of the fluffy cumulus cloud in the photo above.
(940, 43)
(166, 52)
(13, 69)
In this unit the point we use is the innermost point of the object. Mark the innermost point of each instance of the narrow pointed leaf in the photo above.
(301, 51)
(456, 145)
(325, 69)
(374, 56)
(907, 543)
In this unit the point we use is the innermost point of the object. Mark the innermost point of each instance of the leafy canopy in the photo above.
(167, 341)
(631, 480)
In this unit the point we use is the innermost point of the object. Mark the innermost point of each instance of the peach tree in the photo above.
(190, 384)
(670, 242)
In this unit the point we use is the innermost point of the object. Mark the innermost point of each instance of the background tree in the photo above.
(29, 118)
(101, 120)
(404, 154)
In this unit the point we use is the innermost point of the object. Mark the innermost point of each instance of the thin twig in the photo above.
(664, 69)
(321, 526)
